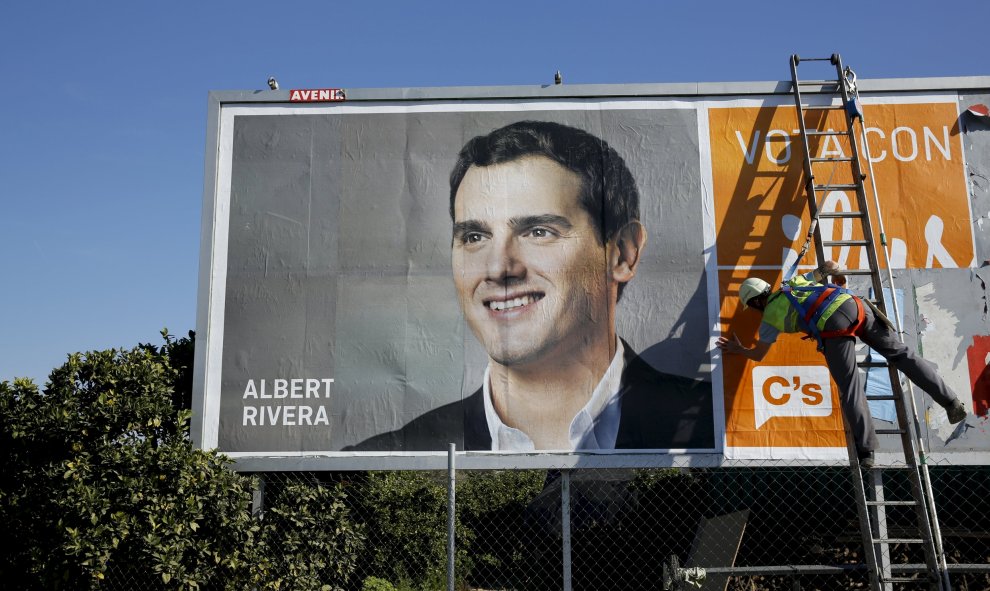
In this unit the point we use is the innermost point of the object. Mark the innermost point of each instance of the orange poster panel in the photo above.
(788, 399)
(761, 215)
(761, 206)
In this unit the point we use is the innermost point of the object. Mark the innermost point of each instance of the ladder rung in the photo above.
(840, 215)
(891, 503)
(846, 243)
(904, 580)
(866, 363)
(857, 272)
(817, 82)
(826, 132)
(890, 431)
(882, 397)
(897, 540)
(836, 187)
(823, 107)
(843, 159)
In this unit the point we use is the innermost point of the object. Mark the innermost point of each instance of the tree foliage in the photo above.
(102, 481)
(103, 488)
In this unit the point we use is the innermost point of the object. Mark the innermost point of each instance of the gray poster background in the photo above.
(339, 263)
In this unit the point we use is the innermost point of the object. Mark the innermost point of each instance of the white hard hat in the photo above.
(751, 288)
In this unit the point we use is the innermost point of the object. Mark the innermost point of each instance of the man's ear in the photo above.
(625, 249)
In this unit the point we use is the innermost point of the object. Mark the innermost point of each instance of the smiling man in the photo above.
(546, 234)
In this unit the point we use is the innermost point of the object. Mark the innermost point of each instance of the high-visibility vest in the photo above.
(805, 306)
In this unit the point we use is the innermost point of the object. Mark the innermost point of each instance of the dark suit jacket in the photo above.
(658, 411)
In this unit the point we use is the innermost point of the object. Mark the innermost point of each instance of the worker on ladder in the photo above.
(834, 317)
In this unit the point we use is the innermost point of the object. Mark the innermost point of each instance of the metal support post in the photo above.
(258, 498)
(451, 505)
(565, 525)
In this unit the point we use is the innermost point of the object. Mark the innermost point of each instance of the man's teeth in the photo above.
(513, 303)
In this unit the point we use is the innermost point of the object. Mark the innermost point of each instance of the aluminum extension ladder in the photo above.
(876, 511)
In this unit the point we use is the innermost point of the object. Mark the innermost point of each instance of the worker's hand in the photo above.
(833, 270)
(732, 346)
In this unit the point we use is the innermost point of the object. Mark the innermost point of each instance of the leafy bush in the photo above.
(308, 540)
(500, 558)
(377, 584)
(406, 511)
(406, 514)
(101, 481)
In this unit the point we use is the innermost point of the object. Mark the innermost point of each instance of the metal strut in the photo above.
(876, 511)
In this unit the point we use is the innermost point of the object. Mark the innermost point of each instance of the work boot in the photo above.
(866, 459)
(956, 412)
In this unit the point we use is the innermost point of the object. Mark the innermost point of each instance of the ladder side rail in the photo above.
(861, 199)
(927, 526)
(940, 557)
(808, 171)
(869, 520)
(880, 223)
(880, 527)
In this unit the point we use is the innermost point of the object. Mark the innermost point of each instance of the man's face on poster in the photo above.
(528, 264)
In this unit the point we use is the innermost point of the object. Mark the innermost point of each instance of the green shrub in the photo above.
(308, 539)
(101, 482)
(377, 584)
(406, 513)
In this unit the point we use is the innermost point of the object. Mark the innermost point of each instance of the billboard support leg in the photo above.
(450, 516)
(565, 525)
(258, 498)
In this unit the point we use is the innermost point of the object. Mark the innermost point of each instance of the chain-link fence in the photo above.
(750, 528)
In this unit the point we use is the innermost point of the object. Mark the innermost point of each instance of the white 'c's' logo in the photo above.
(791, 391)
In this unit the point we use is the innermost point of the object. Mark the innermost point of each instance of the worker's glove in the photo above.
(833, 270)
(829, 268)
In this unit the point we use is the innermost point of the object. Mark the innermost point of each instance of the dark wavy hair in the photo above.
(609, 192)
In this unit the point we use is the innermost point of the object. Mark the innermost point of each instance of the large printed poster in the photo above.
(545, 277)
(505, 277)
(787, 406)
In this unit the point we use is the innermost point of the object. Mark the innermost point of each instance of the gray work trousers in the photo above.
(840, 355)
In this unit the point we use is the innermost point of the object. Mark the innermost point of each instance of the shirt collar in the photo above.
(595, 426)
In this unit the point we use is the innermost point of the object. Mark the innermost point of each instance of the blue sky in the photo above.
(104, 113)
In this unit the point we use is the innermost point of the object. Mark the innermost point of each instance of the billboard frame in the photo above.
(218, 100)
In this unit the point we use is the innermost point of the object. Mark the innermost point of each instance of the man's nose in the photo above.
(504, 261)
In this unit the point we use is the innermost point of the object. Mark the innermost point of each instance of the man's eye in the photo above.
(540, 233)
(472, 237)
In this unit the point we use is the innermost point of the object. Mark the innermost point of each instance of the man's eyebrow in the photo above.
(466, 226)
(547, 219)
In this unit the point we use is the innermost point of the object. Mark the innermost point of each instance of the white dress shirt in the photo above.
(594, 427)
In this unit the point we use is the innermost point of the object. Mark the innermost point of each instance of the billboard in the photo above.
(533, 277)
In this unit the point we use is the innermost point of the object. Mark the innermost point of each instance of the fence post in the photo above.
(258, 498)
(565, 525)
(450, 516)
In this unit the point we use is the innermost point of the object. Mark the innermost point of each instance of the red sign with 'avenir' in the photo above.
(317, 95)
